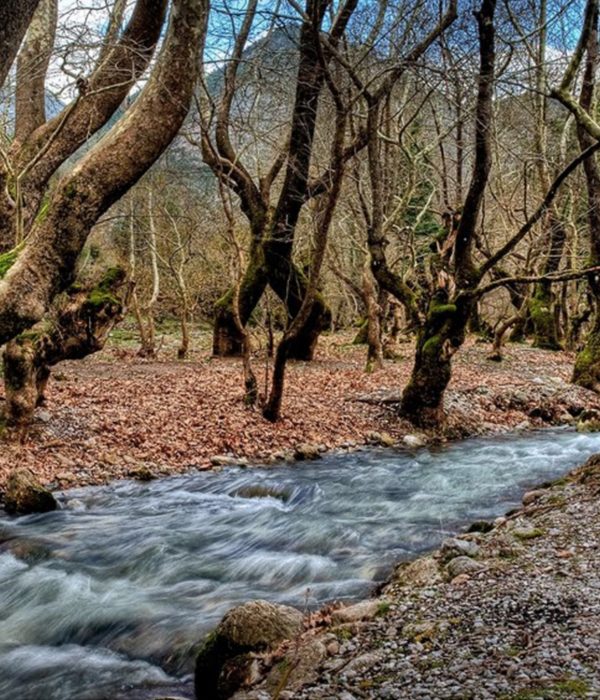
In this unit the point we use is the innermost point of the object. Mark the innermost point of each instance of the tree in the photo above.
(50, 223)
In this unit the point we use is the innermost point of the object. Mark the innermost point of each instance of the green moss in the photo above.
(432, 345)
(383, 608)
(529, 534)
(103, 294)
(442, 309)
(565, 689)
(42, 214)
(542, 315)
(8, 259)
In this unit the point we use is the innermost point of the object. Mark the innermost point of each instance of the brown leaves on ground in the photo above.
(111, 413)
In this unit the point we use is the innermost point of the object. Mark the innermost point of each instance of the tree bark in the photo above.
(15, 17)
(587, 364)
(77, 326)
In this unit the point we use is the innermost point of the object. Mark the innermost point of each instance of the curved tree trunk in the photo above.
(78, 326)
(291, 286)
(32, 276)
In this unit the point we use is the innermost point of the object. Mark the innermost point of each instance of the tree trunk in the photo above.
(78, 326)
(441, 336)
(228, 340)
(587, 365)
(290, 285)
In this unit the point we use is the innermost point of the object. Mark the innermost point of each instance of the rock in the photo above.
(421, 572)
(299, 666)
(481, 526)
(44, 416)
(228, 461)
(414, 441)
(460, 580)
(382, 439)
(142, 473)
(333, 648)
(462, 565)
(455, 547)
(67, 477)
(589, 421)
(364, 662)
(365, 610)
(263, 491)
(24, 494)
(527, 532)
(306, 451)
(532, 496)
(224, 662)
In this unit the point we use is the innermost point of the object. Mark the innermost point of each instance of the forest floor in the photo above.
(115, 415)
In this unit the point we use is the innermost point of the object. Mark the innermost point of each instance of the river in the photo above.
(110, 594)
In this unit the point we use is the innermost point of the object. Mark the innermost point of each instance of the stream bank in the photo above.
(118, 417)
(512, 613)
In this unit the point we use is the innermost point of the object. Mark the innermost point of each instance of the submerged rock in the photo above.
(263, 491)
(24, 494)
(225, 661)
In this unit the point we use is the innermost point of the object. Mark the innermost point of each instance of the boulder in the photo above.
(462, 565)
(365, 610)
(455, 547)
(306, 451)
(589, 421)
(421, 572)
(533, 496)
(225, 662)
(299, 666)
(414, 442)
(24, 494)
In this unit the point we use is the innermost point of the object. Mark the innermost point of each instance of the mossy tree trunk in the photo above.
(46, 263)
(441, 336)
(448, 313)
(542, 305)
(587, 364)
(77, 326)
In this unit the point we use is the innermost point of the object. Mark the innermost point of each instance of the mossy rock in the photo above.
(224, 659)
(24, 494)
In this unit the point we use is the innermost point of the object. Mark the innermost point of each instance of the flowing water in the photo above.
(111, 592)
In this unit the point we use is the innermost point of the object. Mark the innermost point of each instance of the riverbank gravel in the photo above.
(524, 625)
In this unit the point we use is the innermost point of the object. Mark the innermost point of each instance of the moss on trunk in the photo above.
(586, 372)
(228, 338)
(441, 336)
(541, 309)
(77, 326)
